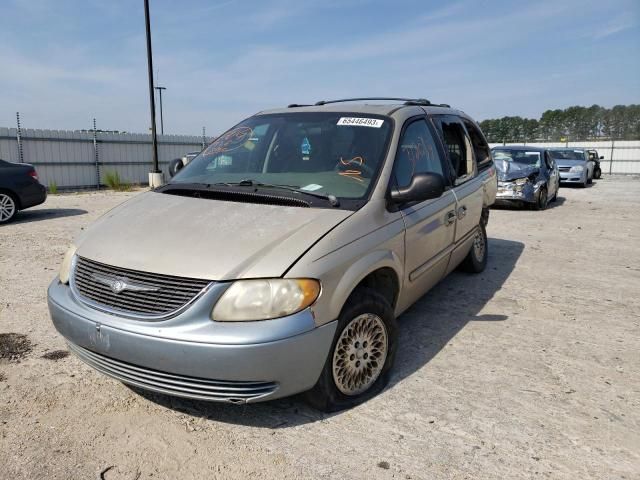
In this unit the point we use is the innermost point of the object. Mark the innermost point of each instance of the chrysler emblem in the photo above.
(120, 284)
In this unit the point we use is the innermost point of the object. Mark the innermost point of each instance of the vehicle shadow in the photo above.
(25, 216)
(425, 329)
(556, 203)
(515, 206)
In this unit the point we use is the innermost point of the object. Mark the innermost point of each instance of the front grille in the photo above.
(172, 384)
(150, 295)
(564, 169)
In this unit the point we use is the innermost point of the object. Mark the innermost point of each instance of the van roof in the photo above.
(361, 106)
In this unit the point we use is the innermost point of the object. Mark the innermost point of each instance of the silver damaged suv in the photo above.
(277, 260)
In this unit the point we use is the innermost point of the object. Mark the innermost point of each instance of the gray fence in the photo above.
(620, 156)
(79, 159)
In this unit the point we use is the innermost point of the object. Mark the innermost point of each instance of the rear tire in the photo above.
(362, 353)
(8, 207)
(476, 259)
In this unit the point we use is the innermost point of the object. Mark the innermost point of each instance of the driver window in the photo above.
(239, 151)
(417, 153)
(548, 160)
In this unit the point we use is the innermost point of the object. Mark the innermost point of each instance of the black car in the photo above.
(19, 189)
(595, 158)
(526, 176)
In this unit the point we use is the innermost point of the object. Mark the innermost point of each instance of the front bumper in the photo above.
(508, 193)
(572, 177)
(191, 356)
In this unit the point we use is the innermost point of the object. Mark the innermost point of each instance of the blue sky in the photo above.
(65, 62)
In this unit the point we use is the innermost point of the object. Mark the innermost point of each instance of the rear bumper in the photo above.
(215, 365)
(33, 195)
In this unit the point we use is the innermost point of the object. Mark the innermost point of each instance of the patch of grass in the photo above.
(53, 188)
(114, 182)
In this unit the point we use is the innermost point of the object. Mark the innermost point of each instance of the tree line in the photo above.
(621, 122)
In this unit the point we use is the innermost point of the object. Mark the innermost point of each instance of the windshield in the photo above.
(513, 160)
(568, 154)
(321, 153)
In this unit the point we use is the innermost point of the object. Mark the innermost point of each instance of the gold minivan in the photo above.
(278, 259)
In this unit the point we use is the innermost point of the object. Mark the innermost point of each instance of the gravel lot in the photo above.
(529, 370)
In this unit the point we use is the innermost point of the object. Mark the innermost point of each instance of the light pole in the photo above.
(155, 176)
(160, 89)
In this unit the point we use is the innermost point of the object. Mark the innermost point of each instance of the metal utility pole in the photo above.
(154, 139)
(19, 139)
(95, 153)
(160, 89)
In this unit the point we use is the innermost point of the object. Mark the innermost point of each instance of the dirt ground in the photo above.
(529, 370)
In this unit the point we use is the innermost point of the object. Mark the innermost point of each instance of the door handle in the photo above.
(450, 218)
(462, 211)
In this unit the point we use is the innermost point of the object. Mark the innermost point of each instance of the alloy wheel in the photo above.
(360, 354)
(7, 207)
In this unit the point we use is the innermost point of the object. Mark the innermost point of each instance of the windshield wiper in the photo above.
(332, 199)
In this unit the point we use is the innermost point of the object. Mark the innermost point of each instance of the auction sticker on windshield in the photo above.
(361, 122)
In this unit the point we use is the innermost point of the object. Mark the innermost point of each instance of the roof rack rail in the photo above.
(407, 101)
(296, 105)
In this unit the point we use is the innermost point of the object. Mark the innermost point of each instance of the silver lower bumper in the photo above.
(202, 368)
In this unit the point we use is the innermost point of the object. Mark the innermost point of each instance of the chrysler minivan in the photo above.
(277, 260)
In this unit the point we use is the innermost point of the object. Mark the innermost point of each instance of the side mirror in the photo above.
(601, 157)
(423, 186)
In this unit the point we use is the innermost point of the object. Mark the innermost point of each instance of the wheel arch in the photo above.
(14, 195)
(379, 270)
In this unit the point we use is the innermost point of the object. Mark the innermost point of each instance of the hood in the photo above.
(563, 162)
(201, 238)
(512, 172)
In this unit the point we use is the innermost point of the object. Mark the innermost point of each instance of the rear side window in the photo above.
(481, 148)
(417, 153)
(458, 147)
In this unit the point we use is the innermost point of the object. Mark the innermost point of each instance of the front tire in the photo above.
(476, 259)
(361, 356)
(8, 207)
(597, 173)
(542, 200)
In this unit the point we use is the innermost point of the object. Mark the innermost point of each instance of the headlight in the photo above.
(577, 168)
(521, 181)
(65, 268)
(247, 300)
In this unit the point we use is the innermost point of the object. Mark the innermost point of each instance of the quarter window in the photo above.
(417, 153)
